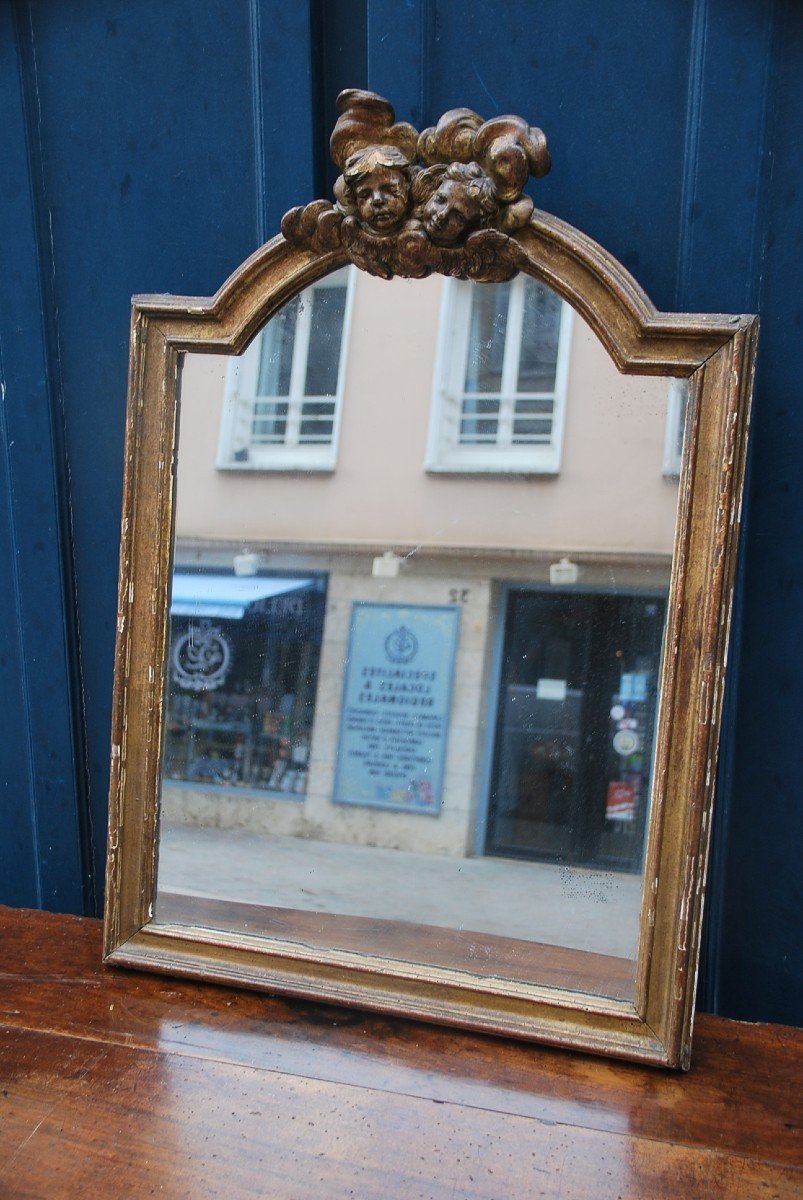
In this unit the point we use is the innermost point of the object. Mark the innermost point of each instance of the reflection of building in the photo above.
(480, 435)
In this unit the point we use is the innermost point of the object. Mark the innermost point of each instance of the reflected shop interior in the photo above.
(423, 542)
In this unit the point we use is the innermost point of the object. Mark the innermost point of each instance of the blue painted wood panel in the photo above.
(151, 147)
(45, 842)
(136, 171)
(158, 127)
(759, 885)
(672, 129)
(607, 82)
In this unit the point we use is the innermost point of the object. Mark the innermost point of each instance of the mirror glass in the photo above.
(423, 539)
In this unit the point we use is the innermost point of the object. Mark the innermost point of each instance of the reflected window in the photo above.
(283, 396)
(501, 378)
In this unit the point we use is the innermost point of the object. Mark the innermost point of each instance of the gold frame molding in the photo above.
(715, 352)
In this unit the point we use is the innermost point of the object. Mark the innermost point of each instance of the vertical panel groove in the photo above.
(256, 114)
(42, 530)
(765, 157)
(339, 60)
(18, 622)
(709, 982)
(76, 696)
(282, 90)
(399, 37)
(694, 101)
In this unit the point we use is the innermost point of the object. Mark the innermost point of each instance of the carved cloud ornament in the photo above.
(446, 200)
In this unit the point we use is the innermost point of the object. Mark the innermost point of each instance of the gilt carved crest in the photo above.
(446, 200)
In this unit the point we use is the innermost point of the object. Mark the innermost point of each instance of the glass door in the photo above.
(574, 729)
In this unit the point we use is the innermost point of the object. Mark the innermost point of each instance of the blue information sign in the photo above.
(397, 693)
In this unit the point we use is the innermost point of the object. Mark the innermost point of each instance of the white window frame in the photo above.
(241, 395)
(677, 403)
(444, 452)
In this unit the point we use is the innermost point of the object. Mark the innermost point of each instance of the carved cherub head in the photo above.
(408, 204)
(452, 201)
(375, 185)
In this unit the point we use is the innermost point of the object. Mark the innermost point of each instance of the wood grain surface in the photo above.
(117, 1084)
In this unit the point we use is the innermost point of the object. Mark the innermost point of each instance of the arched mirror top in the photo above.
(448, 201)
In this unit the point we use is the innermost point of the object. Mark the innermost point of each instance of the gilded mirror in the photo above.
(428, 545)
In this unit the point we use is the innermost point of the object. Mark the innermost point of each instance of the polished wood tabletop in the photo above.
(118, 1084)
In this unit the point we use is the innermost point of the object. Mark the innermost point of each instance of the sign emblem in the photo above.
(626, 742)
(201, 658)
(401, 646)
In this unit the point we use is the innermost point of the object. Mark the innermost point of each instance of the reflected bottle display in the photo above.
(423, 541)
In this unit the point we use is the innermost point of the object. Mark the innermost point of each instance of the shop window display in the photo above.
(242, 676)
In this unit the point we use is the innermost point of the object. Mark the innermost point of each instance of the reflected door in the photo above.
(573, 748)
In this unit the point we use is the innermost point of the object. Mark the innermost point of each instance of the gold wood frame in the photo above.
(716, 354)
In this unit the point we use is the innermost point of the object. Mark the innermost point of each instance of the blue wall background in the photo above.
(151, 147)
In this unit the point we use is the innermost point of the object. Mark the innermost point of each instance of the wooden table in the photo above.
(116, 1084)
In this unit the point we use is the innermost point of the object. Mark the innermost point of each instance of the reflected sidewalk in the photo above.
(564, 906)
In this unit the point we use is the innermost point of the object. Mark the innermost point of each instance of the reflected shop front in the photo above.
(423, 539)
(243, 666)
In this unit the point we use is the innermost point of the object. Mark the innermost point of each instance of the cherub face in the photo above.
(381, 198)
(450, 213)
